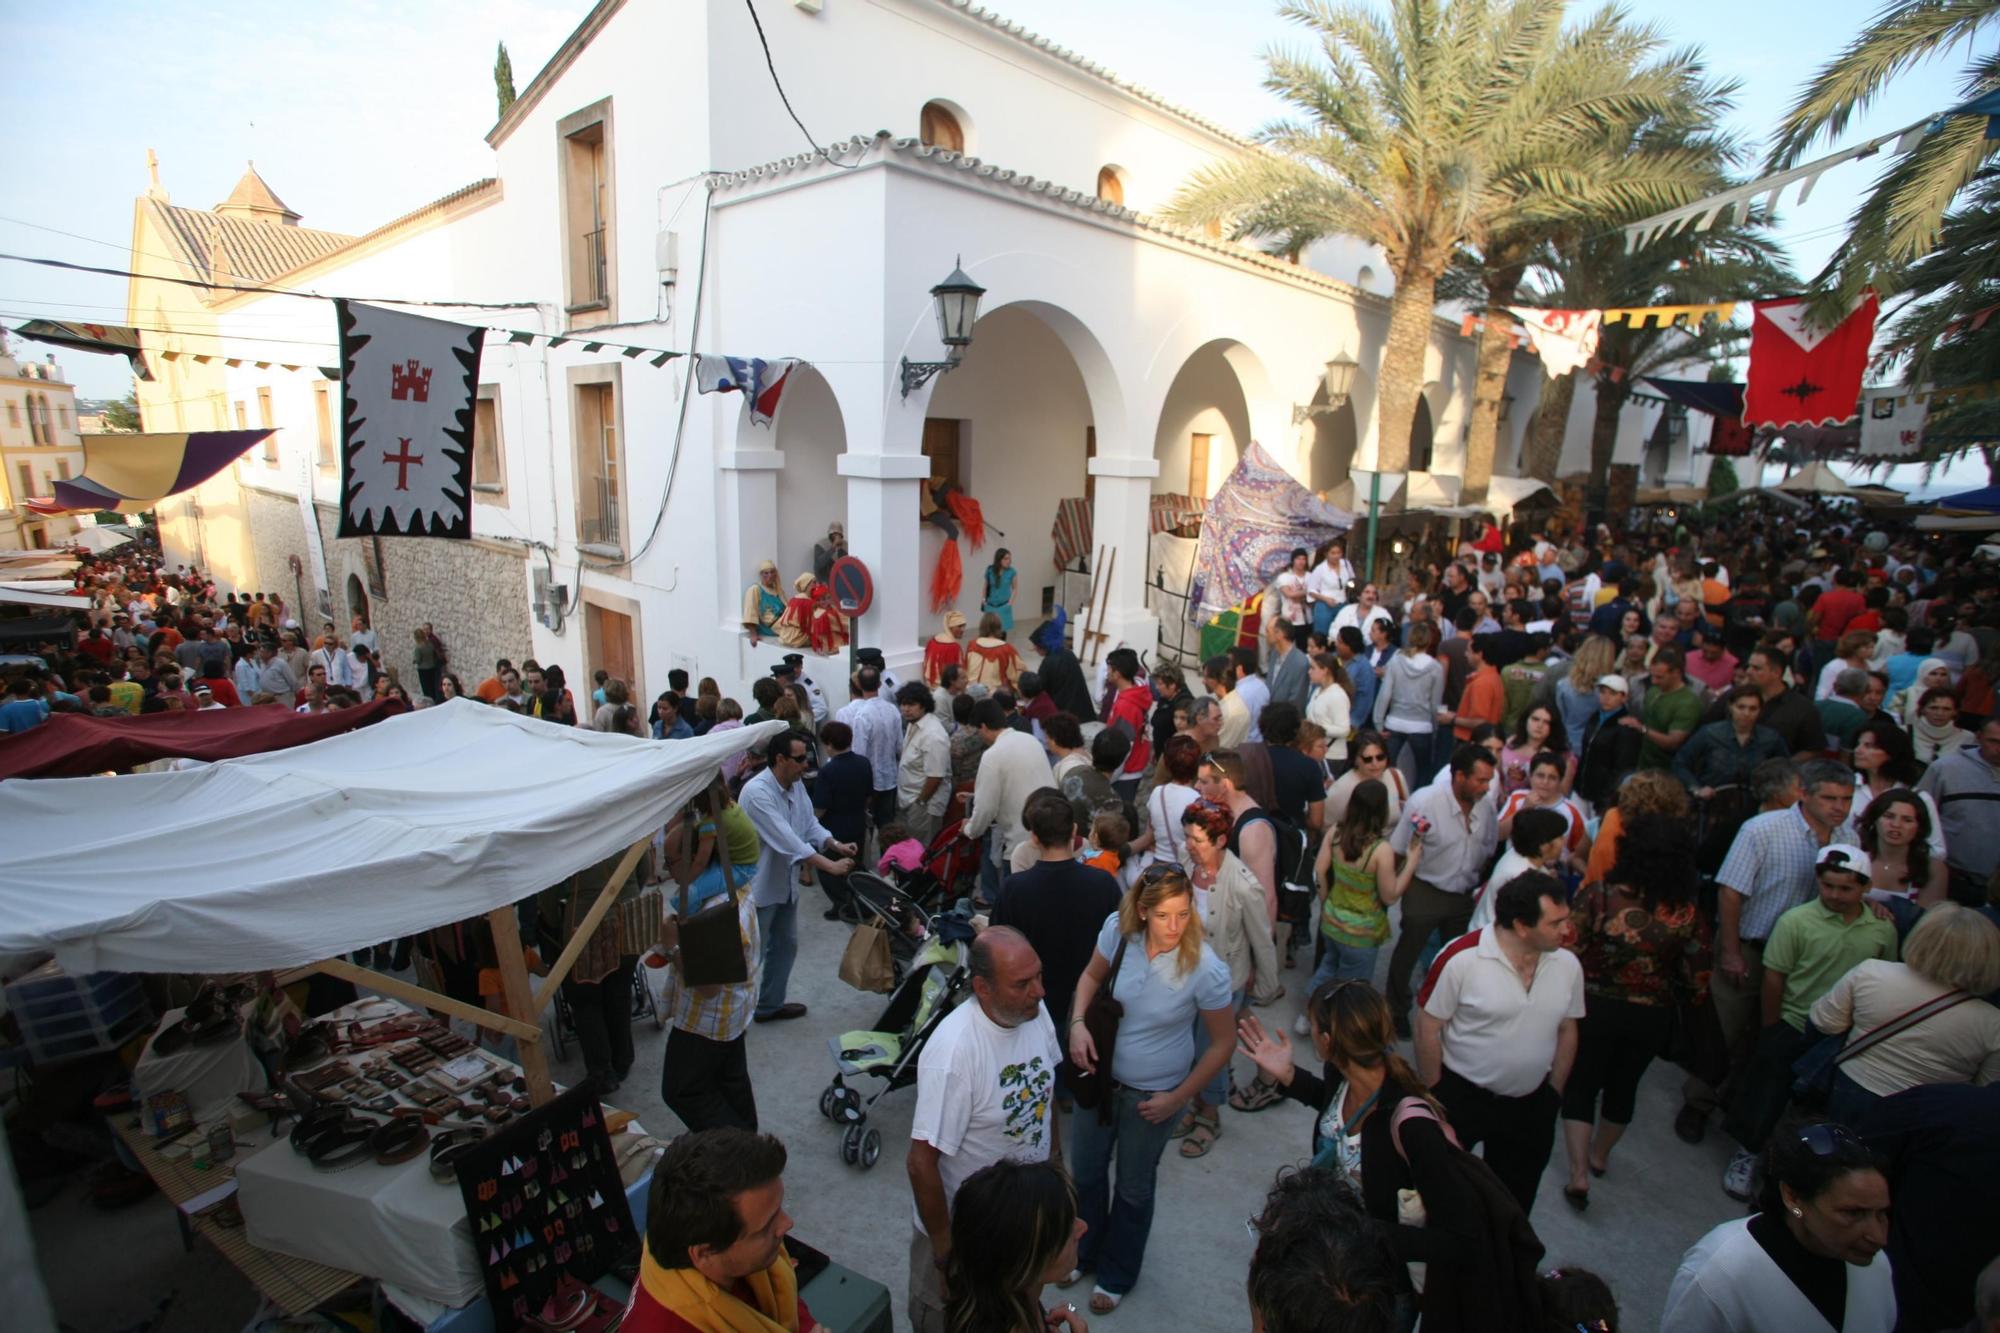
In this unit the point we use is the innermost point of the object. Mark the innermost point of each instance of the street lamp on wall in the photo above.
(1338, 380)
(957, 300)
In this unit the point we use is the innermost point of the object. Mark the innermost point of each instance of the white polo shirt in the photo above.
(1497, 1033)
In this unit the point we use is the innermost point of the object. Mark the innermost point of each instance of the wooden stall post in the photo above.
(520, 1001)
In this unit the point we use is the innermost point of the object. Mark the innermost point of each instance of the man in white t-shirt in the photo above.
(985, 1092)
(1497, 1030)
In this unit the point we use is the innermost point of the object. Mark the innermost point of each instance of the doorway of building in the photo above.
(357, 599)
(608, 642)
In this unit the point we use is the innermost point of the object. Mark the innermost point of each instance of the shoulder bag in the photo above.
(1812, 1073)
(1092, 1091)
(711, 940)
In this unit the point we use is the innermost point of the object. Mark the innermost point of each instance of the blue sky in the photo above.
(359, 112)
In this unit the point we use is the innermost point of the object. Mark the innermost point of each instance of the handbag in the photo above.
(866, 963)
(1410, 1204)
(1092, 1091)
(1812, 1073)
(711, 941)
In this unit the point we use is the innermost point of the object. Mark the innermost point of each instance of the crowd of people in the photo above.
(1602, 798)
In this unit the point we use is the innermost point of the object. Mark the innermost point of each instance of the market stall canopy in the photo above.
(1352, 494)
(14, 595)
(100, 540)
(1985, 500)
(115, 339)
(1815, 478)
(1958, 523)
(1506, 494)
(76, 745)
(1877, 496)
(426, 819)
(129, 473)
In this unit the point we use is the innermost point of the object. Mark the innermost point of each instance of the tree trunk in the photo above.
(1402, 376)
(1545, 446)
(1604, 438)
(1489, 382)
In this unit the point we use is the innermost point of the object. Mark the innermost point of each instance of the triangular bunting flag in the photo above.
(520, 337)
(1802, 374)
(663, 358)
(407, 386)
(634, 351)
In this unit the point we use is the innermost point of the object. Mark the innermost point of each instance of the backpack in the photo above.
(1294, 868)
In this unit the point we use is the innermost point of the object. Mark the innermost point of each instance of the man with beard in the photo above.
(985, 1091)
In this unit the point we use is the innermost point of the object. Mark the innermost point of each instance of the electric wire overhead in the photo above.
(779, 85)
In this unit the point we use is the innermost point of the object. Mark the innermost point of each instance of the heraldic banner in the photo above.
(406, 388)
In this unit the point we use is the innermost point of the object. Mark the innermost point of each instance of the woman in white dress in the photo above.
(1811, 1260)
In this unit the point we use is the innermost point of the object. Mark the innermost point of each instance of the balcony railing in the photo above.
(601, 528)
(596, 289)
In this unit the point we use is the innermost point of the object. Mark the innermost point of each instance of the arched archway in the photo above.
(1336, 435)
(1423, 433)
(357, 599)
(1204, 419)
(812, 435)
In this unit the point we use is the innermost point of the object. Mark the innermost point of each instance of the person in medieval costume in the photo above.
(989, 659)
(946, 649)
(763, 606)
(795, 626)
(829, 626)
(828, 551)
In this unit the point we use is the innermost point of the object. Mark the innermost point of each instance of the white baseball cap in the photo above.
(1614, 681)
(1845, 856)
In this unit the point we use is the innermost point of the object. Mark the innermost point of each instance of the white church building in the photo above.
(649, 189)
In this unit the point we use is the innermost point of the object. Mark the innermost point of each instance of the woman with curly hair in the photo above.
(1014, 1230)
(1643, 945)
(1650, 791)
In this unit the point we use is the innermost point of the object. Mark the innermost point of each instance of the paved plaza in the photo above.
(1658, 1198)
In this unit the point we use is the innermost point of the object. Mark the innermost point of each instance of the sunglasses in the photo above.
(1155, 874)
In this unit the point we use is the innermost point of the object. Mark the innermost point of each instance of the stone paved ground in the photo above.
(1658, 1199)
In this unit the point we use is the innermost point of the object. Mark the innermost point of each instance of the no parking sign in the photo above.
(852, 587)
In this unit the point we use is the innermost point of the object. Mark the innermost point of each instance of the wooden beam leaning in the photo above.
(584, 928)
(411, 993)
(519, 999)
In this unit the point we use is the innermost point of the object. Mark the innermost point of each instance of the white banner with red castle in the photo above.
(407, 385)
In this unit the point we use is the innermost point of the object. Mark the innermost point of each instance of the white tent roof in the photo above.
(100, 539)
(415, 822)
(1815, 478)
(16, 595)
(1504, 493)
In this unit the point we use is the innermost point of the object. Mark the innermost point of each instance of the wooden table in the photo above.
(295, 1286)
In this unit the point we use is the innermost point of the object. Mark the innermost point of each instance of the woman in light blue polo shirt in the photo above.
(1165, 975)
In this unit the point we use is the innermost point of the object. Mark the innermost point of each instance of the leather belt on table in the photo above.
(448, 1147)
(343, 1146)
(399, 1140)
(316, 1124)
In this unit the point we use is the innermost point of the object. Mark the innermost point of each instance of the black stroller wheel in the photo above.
(826, 1097)
(871, 1148)
(850, 1145)
(847, 1106)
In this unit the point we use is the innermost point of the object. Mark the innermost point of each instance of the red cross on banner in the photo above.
(406, 385)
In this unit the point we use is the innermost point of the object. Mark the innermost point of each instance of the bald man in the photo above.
(986, 1086)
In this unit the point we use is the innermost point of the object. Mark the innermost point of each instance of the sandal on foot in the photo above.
(1256, 1097)
(1074, 1276)
(1206, 1131)
(1102, 1301)
(1185, 1126)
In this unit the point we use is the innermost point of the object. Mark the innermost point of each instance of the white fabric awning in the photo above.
(419, 821)
(19, 596)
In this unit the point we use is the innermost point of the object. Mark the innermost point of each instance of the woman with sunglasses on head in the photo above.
(1165, 974)
(1371, 762)
(1380, 1128)
(1014, 1230)
(1809, 1260)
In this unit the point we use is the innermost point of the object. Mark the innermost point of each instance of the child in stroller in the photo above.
(931, 955)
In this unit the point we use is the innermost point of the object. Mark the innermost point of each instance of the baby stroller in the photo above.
(934, 977)
(949, 868)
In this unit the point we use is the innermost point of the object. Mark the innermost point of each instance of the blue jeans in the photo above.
(779, 926)
(1322, 617)
(1118, 1218)
(1217, 1091)
(1411, 752)
(1343, 962)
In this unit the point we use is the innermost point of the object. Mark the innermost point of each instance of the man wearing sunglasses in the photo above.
(779, 807)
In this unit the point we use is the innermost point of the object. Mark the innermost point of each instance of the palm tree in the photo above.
(1899, 219)
(1671, 159)
(1430, 127)
(1950, 332)
(1687, 269)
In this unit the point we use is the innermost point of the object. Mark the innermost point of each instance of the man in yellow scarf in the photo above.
(715, 1258)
